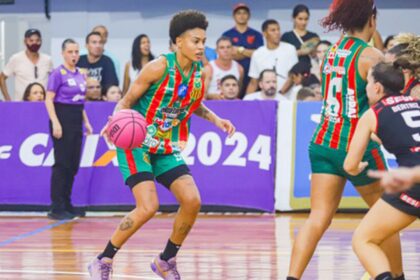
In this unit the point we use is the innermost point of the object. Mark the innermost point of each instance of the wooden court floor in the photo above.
(219, 247)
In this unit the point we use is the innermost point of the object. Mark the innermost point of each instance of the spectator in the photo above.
(98, 65)
(229, 86)
(274, 55)
(222, 66)
(65, 105)
(111, 94)
(101, 29)
(140, 56)
(320, 51)
(93, 90)
(306, 94)
(245, 40)
(389, 43)
(303, 40)
(268, 86)
(34, 92)
(27, 66)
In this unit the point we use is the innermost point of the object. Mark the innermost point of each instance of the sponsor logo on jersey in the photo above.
(409, 200)
(343, 53)
(328, 69)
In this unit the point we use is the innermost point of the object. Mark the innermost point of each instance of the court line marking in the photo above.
(72, 273)
(36, 231)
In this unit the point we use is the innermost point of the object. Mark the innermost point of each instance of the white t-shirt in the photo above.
(218, 73)
(26, 72)
(260, 96)
(283, 58)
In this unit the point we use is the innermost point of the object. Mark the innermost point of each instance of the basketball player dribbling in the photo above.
(166, 92)
(344, 78)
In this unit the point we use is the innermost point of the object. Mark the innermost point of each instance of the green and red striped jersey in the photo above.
(344, 94)
(168, 104)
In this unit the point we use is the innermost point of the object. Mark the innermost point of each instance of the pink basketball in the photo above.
(127, 129)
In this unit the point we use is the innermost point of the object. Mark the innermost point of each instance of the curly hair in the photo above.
(349, 15)
(184, 21)
(409, 56)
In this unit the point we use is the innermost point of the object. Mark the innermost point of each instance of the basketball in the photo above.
(127, 129)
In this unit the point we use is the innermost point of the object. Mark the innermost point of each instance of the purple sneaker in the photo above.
(100, 269)
(165, 269)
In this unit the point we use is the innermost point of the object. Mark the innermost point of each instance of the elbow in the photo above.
(349, 168)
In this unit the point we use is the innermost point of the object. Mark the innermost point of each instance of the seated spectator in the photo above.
(140, 56)
(320, 51)
(306, 94)
(98, 65)
(34, 92)
(304, 41)
(224, 65)
(27, 66)
(93, 90)
(300, 76)
(111, 94)
(229, 86)
(276, 55)
(268, 85)
(389, 43)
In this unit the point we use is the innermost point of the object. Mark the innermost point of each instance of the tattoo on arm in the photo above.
(203, 112)
(184, 229)
(126, 223)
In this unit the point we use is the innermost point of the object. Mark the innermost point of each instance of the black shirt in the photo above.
(398, 127)
(290, 37)
(103, 70)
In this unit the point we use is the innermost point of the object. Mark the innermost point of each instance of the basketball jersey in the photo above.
(344, 94)
(218, 74)
(398, 127)
(167, 107)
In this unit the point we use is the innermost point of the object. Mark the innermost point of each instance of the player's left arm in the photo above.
(365, 127)
(223, 124)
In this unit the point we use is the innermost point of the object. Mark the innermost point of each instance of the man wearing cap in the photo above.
(27, 66)
(245, 39)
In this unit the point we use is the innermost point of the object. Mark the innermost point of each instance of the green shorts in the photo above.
(138, 165)
(330, 161)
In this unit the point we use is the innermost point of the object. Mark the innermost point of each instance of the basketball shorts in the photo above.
(407, 202)
(330, 161)
(138, 165)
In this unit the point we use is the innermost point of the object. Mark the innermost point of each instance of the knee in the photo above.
(191, 203)
(319, 223)
(147, 210)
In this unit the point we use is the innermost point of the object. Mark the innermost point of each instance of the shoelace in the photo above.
(105, 271)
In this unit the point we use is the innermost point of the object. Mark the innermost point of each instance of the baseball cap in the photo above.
(32, 31)
(240, 6)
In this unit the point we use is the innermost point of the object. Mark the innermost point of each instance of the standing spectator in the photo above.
(27, 66)
(140, 56)
(93, 90)
(65, 105)
(276, 55)
(111, 94)
(98, 65)
(304, 41)
(245, 40)
(268, 86)
(101, 29)
(229, 86)
(34, 92)
(222, 66)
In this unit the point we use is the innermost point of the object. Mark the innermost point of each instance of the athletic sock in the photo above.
(170, 251)
(109, 252)
(384, 276)
(401, 277)
(291, 278)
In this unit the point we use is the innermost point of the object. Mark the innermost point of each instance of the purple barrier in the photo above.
(237, 171)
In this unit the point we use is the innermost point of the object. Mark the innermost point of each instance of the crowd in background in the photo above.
(245, 64)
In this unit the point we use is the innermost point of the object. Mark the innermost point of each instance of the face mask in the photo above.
(34, 47)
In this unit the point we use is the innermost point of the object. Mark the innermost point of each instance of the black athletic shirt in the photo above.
(398, 127)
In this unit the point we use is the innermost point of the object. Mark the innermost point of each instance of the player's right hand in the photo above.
(104, 130)
(57, 130)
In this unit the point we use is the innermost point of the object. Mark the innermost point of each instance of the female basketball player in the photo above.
(344, 72)
(166, 92)
(392, 115)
